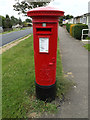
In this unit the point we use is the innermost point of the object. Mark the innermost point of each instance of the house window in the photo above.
(74, 21)
(84, 20)
(81, 20)
(88, 19)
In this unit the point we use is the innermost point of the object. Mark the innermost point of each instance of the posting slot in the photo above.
(43, 30)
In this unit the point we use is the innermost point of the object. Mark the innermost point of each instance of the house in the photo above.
(89, 14)
(87, 19)
(76, 20)
(84, 19)
(71, 21)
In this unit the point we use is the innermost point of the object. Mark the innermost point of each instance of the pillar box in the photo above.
(45, 34)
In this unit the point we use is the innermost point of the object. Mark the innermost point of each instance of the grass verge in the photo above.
(87, 38)
(18, 87)
(87, 46)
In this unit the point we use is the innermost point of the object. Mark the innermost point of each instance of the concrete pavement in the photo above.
(75, 61)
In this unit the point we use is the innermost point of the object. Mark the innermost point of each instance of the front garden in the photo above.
(75, 30)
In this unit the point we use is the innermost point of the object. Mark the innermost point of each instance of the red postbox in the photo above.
(45, 32)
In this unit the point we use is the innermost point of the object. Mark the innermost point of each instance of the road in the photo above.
(9, 37)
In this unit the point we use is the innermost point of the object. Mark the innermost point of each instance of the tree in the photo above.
(24, 6)
(25, 24)
(64, 17)
(14, 20)
(7, 22)
(20, 21)
(2, 21)
(28, 20)
(68, 17)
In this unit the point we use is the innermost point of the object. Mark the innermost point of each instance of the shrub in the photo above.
(77, 30)
(71, 28)
(61, 25)
(87, 38)
(68, 27)
(73, 31)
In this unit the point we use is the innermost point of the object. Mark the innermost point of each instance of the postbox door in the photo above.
(45, 51)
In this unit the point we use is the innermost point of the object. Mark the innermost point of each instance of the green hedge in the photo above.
(68, 27)
(77, 31)
(61, 25)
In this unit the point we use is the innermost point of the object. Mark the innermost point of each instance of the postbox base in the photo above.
(46, 93)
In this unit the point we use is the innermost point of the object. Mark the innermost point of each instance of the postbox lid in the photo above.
(45, 11)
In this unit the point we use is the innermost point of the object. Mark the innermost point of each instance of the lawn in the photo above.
(87, 46)
(18, 83)
(87, 38)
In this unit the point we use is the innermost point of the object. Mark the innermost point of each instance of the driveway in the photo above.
(9, 37)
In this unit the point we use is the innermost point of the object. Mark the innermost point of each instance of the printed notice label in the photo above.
(43, 45)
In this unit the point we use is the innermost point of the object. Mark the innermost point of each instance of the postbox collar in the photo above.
(45, 11)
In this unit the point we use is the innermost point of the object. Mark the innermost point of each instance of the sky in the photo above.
(72, 7)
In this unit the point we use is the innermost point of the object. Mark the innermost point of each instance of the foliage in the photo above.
(64, 17)
(8, 22)
(23, 6)
(61, 25)
(2, 19)
(77, 31)
(5, 22)
(19, 21)
(71, 29)
(25, 24)
(68, 27)
(68, 17)
(61, 19)
(18, 86)
(28, 20)
(14, 20)
(87, 46)
(87, 38)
